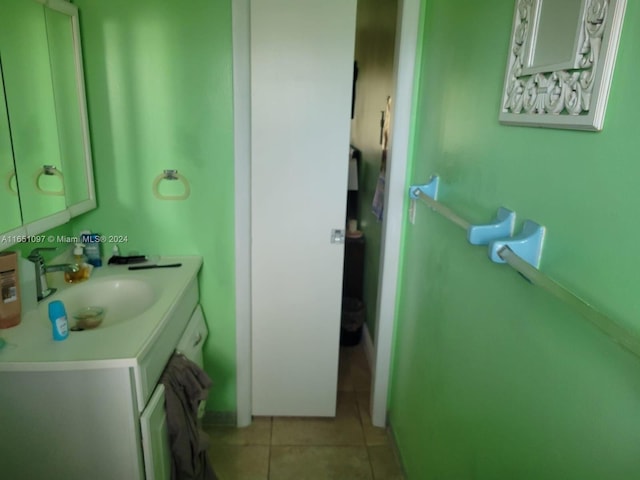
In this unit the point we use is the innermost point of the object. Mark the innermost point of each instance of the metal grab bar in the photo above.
(443, 210)
(624, 337)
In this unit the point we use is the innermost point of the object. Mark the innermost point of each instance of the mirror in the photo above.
(31, 108)
(561, 62)
(45, 111)
(10, 218)
(553, 47)
(68, 87)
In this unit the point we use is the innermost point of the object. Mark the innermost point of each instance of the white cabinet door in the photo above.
(155, 438)
(301, 81)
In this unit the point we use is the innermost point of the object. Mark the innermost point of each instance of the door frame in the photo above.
(395, 201)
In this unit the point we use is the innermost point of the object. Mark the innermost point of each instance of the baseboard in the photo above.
(220, 418)
(394, 446)
(368, 347)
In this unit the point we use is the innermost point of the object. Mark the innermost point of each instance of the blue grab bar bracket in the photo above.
(527, 244)
(501, 227)
(429, 189)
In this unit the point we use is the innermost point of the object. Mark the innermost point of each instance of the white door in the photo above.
(301, 79)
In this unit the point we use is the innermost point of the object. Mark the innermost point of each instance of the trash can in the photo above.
(352, 321)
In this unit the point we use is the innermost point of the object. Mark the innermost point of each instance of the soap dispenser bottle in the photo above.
(79, 271)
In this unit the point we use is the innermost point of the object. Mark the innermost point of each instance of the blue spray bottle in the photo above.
(58, 317)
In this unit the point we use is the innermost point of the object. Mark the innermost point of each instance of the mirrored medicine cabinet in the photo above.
(45, 154)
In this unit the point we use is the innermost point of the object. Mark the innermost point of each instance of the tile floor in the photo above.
(346, 447)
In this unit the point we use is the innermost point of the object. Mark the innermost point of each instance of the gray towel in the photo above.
(186, 385)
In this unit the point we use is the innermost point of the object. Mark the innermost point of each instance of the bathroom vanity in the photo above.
(90, 407)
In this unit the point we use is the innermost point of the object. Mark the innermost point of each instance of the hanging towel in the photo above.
(378, 197)
(377, 205)
(186, 385)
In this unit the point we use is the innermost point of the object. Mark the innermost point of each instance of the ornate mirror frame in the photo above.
(573, 94)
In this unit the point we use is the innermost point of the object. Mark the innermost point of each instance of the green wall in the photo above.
(159, 83)
(493, 378)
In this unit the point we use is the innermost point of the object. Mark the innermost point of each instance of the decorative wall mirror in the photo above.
(561, 60)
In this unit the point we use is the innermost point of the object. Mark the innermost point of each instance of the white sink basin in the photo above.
(122, 298)
(142, 309)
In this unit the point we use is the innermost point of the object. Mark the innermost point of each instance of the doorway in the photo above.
(407, 33)
(370, 125)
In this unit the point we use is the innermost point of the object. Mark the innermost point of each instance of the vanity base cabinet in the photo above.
(92, 407)
(87, 423)
(64, 425)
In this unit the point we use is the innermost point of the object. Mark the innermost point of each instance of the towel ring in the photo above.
(50, 170)
(10, 177)
(171, 175)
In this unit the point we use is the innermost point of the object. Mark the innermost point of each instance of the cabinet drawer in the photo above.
(190, 344)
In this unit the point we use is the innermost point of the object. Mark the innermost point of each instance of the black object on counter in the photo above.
(145, 267)
(119, 260)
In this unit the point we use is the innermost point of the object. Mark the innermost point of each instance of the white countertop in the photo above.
(30, 345)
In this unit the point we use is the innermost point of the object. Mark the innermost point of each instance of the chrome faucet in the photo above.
(42, 288)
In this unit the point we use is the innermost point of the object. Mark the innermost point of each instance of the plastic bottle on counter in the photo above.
(92, 247)
(82, 269)
(59, 322)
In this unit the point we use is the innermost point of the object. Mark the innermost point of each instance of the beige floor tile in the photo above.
(319, 463)
(359, 370)
(345, 380)
(384, 463)
(345, 353)
(372, 435)
(361, 377)
(258, 433)
(240, 463)
(344, 429)
(359, 356)
(347, 405)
